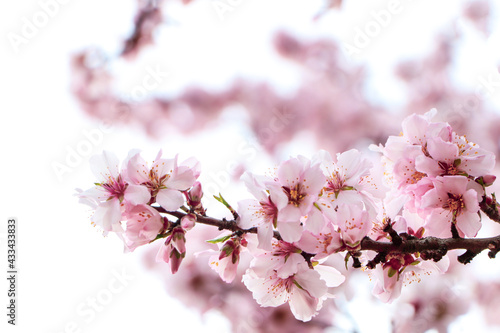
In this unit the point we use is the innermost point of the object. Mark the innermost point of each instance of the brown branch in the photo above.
(475, 245)
(429, 247)
(223, 224)
(489, 206)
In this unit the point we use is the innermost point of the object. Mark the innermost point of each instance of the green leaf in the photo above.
(219, 240)
(221, 200)
(225, 203)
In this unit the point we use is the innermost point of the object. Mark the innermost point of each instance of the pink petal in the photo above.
(108, 215)
(182, 179)
(290, 265)
(330, 275)
(309, 243)
(265, 235)
(289, 172)
(313, 180)
(251, 214)
(471, 201)
(170, 199)
(469, 224)
(302, 304)
(164, 166)
(254, 186)
(441, 150)
(438, 223)
(289, 214)
(277, 195)
(315, 222)
(310, 280)
(260, 290)
(137, 194)
(105, 166)
(428, 166)
(290, 231)
(454, 184)
(137, 170)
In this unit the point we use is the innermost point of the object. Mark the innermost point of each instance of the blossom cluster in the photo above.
(427, 182)
(122, 200)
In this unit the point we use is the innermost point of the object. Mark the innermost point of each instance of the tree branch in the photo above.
(473, 245)
(223, 224)
(430, 247)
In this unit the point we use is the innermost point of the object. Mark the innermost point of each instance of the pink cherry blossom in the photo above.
(143, 225)
(325, 243)
(301, 182)
(350, 172)
(458, 157)
(110, 192)
(263, 212)
(353, 224)
(406, 175)
(402, 269)
(226, 261)
(304, 291)
(417, 129)
(165, 179)
(284, 259)
(451, 202)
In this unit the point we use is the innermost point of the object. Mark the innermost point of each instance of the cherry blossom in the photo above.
(165, 179)
(301, 182)
(226, 261)
(349, 179)
(143, 225)
(263, 212)
(304, 290)
(399, 270)
(110, 192)
(451, 202)
(353, 224)
(457, 157)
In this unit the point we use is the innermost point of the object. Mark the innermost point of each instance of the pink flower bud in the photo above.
(188, 222)
(195, 195)
(174, 249)
(488, 180)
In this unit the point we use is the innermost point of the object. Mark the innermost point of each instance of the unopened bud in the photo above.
(488, 180)
(195, 195)
(188, 221)
(228, 249)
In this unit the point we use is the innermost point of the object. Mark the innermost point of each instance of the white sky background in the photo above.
(62, 260)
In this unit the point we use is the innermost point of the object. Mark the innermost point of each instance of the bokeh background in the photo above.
(241, 85)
